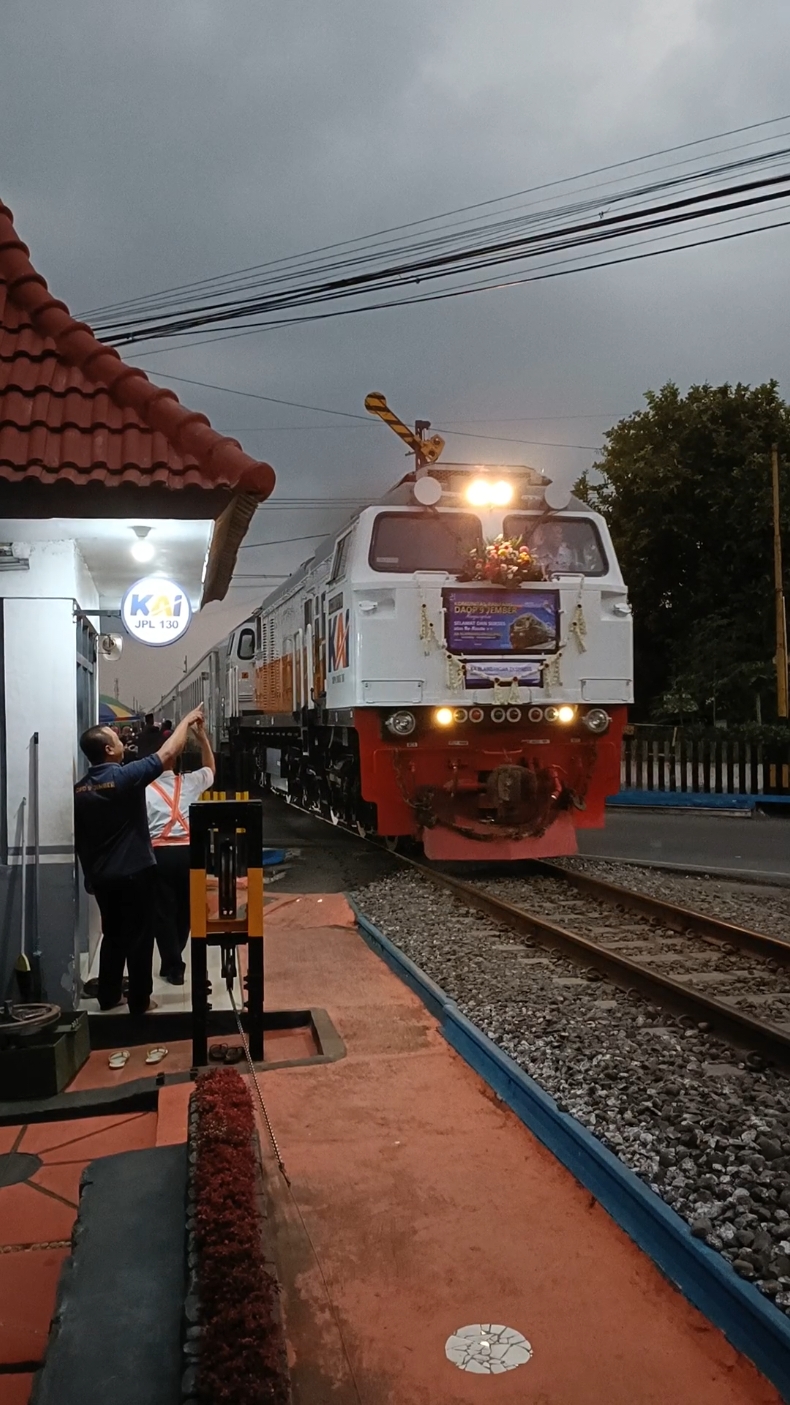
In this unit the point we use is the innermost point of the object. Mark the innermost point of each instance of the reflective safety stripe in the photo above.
(173, 803)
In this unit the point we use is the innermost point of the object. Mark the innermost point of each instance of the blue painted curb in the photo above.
(682, 800)
(749, 1321)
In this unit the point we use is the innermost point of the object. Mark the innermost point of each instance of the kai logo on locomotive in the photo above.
(156, 611)
(338, 641)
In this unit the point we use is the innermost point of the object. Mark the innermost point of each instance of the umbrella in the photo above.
(111, 712)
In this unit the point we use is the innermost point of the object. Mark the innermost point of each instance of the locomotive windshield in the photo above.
(422, 541)
(561, 544)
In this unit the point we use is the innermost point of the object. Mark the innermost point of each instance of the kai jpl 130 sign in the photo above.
(156, 611)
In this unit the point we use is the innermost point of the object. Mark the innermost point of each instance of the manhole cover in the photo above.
(17, 1166)
(487, 1349)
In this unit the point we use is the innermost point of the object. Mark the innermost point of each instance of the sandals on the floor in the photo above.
(226, 1053)
(155, 1056)
(119, 1060)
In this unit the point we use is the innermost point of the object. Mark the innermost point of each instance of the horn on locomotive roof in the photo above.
(425, 450)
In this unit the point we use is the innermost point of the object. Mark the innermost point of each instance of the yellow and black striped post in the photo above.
(424, 450)
(226, 843)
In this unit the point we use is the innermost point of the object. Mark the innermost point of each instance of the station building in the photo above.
(90, 449)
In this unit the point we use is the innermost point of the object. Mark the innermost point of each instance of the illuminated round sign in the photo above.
(156, 611)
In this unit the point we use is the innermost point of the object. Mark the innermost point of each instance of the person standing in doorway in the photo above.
(114, 848)
(168, 800)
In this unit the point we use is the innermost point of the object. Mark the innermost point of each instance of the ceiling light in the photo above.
(142, 551)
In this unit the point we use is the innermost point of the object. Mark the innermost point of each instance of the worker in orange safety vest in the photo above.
(167, 801)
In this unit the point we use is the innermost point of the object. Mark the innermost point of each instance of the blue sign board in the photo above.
(502, 621)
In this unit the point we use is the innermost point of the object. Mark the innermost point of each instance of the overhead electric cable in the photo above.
(489, 286)
(590, 232)
(432, 219)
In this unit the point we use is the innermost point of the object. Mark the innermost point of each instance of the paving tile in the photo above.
(87, 1137)
(62, 1179)
(28, 1282)
(27, 1216)
(173, 1111)
(15, 1390)
(8, 1139)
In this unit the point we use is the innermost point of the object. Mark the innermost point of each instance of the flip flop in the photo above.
(155, 1056)
(217, 1053)
(119, 1060)
(234, 1054)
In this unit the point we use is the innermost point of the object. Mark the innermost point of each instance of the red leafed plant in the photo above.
(240, 1343)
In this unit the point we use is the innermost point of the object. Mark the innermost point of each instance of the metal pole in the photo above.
(37, 869)
(23, 863)
(779, 599)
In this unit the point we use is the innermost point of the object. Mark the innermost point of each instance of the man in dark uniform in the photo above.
(114, 847)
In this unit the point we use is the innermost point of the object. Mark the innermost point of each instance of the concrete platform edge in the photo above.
(769, 878)
(748, 1320)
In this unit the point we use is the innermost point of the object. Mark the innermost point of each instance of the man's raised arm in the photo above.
(173, 747)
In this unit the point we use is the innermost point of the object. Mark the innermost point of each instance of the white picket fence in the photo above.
(704, 766)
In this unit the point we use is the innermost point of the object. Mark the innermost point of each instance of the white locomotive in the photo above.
(391, 689)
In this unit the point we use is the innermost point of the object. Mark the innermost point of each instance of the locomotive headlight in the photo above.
(482, 492)
(444, 716)
(501, 494)
(596, 721)
(477, 492)
(566, 714)
(401, 724)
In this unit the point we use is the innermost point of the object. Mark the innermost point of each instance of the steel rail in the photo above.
(724, 1021)
(672, 915)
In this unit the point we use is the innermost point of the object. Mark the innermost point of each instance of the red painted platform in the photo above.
(419, 1205)
(429, 1206)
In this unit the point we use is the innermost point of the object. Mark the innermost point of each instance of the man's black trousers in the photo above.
(172, 917)
(128, 917)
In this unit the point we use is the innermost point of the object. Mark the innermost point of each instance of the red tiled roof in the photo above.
(72, 410)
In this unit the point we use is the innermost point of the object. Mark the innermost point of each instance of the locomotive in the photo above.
(395, 689)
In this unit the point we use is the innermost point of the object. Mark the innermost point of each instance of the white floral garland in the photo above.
(455, 671)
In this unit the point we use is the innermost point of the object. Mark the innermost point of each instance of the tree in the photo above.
(685, 487)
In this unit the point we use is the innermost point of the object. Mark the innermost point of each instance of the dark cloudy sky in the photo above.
(157, 142)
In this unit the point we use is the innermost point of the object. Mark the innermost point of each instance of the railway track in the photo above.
(728, 980)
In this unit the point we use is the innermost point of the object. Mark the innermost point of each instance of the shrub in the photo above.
(241, 1351)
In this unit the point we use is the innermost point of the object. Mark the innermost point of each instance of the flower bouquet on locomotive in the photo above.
(454, 665)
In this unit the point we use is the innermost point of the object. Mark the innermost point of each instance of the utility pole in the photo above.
(779, 597)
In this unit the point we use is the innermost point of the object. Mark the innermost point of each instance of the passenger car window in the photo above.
(561, 544)
(421, 541)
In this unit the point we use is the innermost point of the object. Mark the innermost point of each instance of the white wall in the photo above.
(41, 696)
(41, 684)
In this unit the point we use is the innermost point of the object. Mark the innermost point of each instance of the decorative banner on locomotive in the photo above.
(486, 673)
(502, 622)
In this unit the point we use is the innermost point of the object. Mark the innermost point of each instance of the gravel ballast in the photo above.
(758, 906)
(707, 1133)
